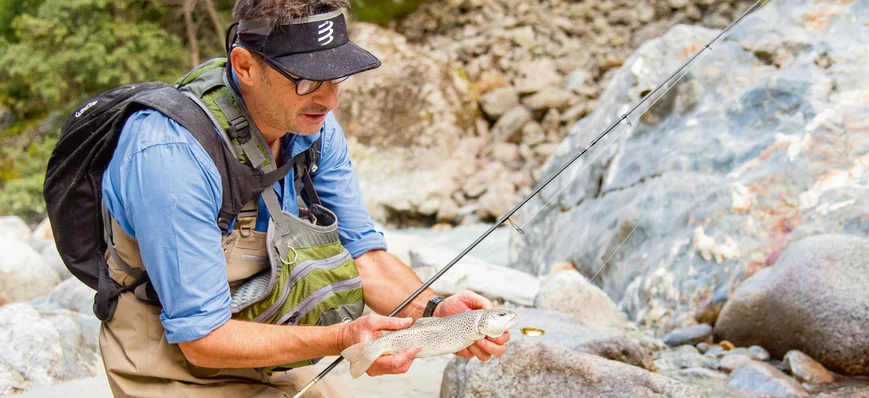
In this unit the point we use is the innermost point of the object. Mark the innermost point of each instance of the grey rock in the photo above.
(690, 335)
(45, 348)
(563, 331)
(759, 378)
(490, 280)
(23, 276)
(505, 152)
(813, 300)
(71, 295)
(591, 214)
(448, 211)
(530, 369)
(759, 353)
(571, 293)
(577, 80)
(537, 75)
(425, 103)
(806, 369)
(51, 258)
(732, 361)
(509, 126)
(549, 98)
(499, 198)
(13, 227)
(533, 134)
(43, 231)
(715, 352)
(498, 101)
(701, 373)
(682, 357)
(702, 347)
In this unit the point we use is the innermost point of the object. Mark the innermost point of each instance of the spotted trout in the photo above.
(437, 336)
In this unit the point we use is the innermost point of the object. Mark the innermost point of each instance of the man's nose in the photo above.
(327, 95)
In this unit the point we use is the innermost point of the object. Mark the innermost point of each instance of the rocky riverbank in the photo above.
(474, 96)
(716, 246)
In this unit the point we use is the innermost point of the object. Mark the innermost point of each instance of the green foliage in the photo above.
(25, 174)
(54, 54)
(382, 12)
(74, 49)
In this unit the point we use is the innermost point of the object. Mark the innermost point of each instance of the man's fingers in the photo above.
(475, 301)
(479, 353)
(395, 363)
(490, 347)
(391, 323)
(465, 354)
(501, 340)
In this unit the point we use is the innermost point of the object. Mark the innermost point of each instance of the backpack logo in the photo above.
(85, 108)
(325, 33)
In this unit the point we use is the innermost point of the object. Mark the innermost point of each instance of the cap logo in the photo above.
(325, 33)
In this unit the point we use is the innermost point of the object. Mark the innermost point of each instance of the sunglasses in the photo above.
(303, 86)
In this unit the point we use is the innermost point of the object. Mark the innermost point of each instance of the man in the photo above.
(163, 194)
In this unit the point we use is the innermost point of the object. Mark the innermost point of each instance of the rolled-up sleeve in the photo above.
(338, 189)
(166, 192)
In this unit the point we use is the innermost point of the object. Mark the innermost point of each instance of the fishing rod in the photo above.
(506, 217)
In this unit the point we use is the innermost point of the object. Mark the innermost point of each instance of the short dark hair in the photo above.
(279, 12)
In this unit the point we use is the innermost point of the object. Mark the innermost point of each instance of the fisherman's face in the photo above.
(299, 114)
(273, 102)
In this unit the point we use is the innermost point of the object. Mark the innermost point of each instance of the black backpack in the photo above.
(73, 180)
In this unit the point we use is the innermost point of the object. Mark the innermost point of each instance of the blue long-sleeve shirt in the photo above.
(164, 190)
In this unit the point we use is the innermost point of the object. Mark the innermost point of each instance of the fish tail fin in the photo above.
(360, 359)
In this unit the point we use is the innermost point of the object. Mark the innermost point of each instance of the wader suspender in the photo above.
(304, 164)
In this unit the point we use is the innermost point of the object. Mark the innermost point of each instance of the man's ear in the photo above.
(247, 71)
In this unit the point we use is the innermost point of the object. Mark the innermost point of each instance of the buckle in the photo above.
(240, 129)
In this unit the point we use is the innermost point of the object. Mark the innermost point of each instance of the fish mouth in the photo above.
(512, 322)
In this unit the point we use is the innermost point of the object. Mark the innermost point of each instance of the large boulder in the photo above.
(407, 123)
(814, 299)
(533, 369)
(571, 293)
(470, 273)
(23, 275)
(564, 331)
(13, 227)
(45, 346)
(748, 146)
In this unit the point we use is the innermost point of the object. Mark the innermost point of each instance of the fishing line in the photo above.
(537, 190)
(678, 177)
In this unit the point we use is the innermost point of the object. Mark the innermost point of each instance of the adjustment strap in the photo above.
(108, 236)
(281, 238)
(240, 129)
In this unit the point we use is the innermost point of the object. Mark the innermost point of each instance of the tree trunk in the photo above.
(189, 5)
(215, 19)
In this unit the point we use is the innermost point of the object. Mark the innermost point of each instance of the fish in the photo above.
(437, 336)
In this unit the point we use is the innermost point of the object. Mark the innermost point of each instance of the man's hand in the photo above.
(484, 348)
(368, 328)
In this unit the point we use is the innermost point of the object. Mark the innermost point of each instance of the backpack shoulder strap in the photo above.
(304, 164)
